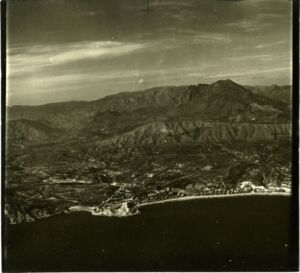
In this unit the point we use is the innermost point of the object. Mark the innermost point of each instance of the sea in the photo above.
(250, 233)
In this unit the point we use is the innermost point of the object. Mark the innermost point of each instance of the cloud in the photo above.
(33, 58)
(231, 0)
(89, 84)
(251, 72)
(159, 3)
(178, 43)
(272, 44)
(185, 36)
(92, 50)
(253, 57)
(90, 13)
(140, 81)
(253, 24)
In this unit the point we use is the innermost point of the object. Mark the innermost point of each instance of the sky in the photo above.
(61, 50)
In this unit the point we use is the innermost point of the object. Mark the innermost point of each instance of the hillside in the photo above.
(145, 146)
(181, 132)
(223, 101)
(275, 92)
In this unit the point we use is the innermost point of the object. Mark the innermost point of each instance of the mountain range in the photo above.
(221, 111)
(160, 143)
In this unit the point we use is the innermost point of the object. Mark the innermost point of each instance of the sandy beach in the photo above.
(82, 208)
(215, 196)
(93, 209)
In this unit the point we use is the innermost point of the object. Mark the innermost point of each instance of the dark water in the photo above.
(241, 234)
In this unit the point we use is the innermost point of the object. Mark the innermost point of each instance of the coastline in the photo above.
(194, 197)
(107, 212)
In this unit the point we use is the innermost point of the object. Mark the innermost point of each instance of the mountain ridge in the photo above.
(115, 115)
(253, 88)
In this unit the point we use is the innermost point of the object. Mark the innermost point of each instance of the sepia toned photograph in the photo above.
(149, 135)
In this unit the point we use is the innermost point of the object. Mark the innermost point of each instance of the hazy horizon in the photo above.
(126, 91)
(64, 50)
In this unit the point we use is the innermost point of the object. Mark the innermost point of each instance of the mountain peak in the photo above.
(229, 90)
(226, 86)
(226, 82)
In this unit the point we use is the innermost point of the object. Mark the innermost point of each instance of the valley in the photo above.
(146, 146)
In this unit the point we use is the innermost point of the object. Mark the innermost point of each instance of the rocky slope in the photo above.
(149, 116)
(143, 146)
(275, 92)
(198, 132)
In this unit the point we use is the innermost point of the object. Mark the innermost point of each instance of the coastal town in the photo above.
(35, 192)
